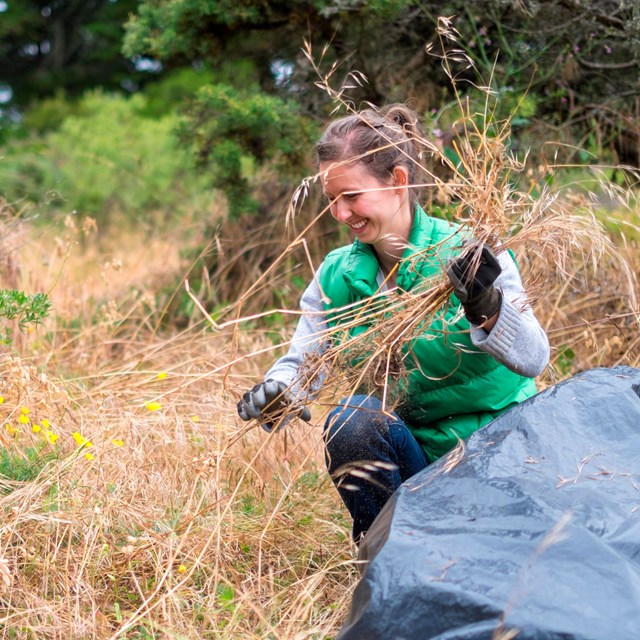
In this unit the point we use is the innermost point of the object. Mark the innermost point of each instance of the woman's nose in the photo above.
(340, 210)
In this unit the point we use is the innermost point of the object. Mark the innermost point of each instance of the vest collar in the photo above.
(362, 264)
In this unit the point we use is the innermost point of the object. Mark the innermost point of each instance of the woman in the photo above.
(368, 163)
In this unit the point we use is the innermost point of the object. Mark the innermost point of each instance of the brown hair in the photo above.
(380, 139)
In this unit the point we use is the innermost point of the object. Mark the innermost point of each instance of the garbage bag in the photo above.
(531, 532)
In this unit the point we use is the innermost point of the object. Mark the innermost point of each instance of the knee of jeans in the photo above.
(354, 419)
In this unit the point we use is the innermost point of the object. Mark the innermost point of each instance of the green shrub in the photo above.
(114, 157)
(49, 113)
(238, 132)
(169, 94)
(23, 308)
(26, 171)
(108, 156)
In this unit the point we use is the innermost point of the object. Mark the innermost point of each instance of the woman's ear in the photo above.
(400, 176)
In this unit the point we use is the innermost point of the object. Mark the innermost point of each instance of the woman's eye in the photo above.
(351, 196)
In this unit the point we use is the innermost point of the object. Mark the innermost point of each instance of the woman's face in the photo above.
(375, 211)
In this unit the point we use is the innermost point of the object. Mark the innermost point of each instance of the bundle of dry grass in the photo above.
(558, 236)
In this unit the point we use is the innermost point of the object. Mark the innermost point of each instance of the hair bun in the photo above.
(382, 139)
(399, 119)
(401, 115)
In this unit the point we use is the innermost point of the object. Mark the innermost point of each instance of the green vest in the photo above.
(452, 387)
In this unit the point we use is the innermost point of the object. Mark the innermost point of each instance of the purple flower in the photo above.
(608, 49)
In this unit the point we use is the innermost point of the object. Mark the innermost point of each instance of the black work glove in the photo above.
(472, 274)
(270, 403)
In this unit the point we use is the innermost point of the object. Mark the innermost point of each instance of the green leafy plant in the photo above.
(22, 307)
(23, 466)
(238, 132)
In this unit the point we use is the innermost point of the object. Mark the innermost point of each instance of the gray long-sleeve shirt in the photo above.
(517, 340)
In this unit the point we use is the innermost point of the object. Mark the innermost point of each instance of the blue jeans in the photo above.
(369, 455)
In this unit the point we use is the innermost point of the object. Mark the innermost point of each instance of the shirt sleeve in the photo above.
(517, 340)
(310, 337)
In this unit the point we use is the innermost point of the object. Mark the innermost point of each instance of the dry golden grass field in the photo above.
(147, 509)
(135, 503)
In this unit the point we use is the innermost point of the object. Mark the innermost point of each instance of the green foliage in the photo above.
(114, 155)
(154, 30)
(48, 114)
(165, 29)
(226, 597)
(107, 156)
(518, 107)
(236, 132)
(565, 360)
(24, 308)
(169, 94)
(23, 466)
(507, 39)
(26, 171)
(70, 45)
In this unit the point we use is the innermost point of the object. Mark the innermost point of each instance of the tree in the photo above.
(272, 34)
(52, 45)
(570, 53)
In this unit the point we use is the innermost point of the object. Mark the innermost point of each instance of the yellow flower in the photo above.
(81, 441)
(23, 419)
(182, 569)
(36, 428)
(25, 411)
(118, 443)
(89, 456)
(154, 406)
(1, 399)
(195, 418)
(162, 375)
(11, 430)
(45, 423)
(51, 437)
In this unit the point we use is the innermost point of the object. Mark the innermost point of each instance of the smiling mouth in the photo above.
(358, 225)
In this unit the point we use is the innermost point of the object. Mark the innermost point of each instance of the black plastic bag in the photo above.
(533, 534)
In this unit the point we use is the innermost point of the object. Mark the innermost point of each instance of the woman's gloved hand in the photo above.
(271, 404)
(472, 275)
